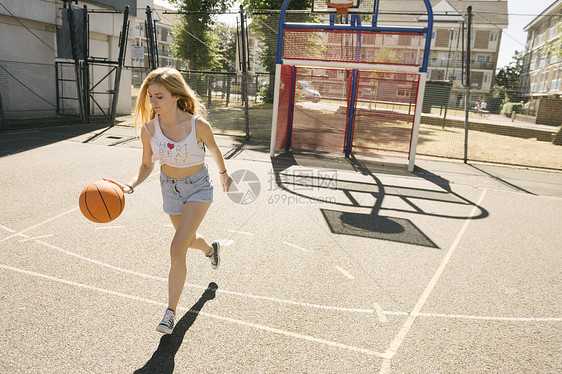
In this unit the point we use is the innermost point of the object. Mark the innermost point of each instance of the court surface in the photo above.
(328, 266)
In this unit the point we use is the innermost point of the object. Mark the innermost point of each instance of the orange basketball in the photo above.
(101, 201)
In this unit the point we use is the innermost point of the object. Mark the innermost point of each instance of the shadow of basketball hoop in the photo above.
(376, 227)
(372, 225)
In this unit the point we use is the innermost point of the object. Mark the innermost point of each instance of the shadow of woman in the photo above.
(162, 361)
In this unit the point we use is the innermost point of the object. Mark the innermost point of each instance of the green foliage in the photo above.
(554, 47)
(509, 108)
(508, 76)
(267, 26)
(508, 80)
(265, 94)
(224, 38)
(192, 35)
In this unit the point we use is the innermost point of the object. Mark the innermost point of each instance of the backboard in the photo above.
(352, 6)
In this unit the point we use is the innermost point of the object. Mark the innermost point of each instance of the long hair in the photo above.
(172, 80)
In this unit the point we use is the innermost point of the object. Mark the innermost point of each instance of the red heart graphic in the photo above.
(170, 145)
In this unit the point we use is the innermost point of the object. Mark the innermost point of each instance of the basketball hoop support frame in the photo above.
(422, 69)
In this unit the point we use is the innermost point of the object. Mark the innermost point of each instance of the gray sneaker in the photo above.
(215, 257)
(167, 324)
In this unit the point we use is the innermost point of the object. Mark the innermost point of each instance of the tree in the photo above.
(507, 83)
(224, 38)
(508, 76)
(267, 26)
(193, 36)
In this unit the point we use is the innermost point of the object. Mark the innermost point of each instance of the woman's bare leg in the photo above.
(186, 228)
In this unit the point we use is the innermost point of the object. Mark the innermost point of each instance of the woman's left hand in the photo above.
(226, 181)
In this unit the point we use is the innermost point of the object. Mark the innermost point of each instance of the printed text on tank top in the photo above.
(184, 153)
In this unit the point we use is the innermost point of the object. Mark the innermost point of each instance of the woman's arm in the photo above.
(147, 165)
(145, 168)
(205, 134)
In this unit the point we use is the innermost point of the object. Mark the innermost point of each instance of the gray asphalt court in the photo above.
(329, 265)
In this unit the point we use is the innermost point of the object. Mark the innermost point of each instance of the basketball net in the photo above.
(340, 5)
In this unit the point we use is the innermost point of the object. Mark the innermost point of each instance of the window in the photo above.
(543, 86)
(554, 28)
(480, 58)
(487, 77)
(493, 36)
(542, 33)
(554, 80)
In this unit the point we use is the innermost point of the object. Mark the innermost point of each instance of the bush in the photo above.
(509, 108)
(266, 94)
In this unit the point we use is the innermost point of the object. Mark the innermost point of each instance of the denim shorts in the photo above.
(176, 192)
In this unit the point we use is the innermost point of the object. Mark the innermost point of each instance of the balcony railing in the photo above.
(458, 64)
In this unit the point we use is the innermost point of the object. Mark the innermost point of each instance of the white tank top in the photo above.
(184, 153)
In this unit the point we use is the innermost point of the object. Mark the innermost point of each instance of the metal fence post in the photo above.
(467, 98)
(244, 72)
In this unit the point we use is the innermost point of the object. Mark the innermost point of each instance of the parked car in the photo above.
(307, 91)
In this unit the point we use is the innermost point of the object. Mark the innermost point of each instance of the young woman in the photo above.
(175, 133)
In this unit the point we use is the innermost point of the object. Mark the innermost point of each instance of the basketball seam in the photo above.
(103, 201)
(86, 204)
(120, 201)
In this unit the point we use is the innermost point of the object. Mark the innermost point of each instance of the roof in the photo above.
(484, 12)
(554, 7)
(165, 19)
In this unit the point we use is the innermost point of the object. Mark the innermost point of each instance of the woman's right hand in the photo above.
(124, 187)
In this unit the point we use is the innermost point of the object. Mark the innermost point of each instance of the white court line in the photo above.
(344, 272)
(399, 338)
(241, 232)
(292, 302)
(491, 318)
(210, 315)
(7, 229)
(235, 293)
(296, 246)
(39, 224)
(108, 227)
(380, 313)
(103, 264)
(37, 237)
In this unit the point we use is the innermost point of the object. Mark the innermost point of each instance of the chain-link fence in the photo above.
(510, 118)
(27, 93)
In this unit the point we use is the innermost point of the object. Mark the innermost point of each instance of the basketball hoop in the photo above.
(341, 6)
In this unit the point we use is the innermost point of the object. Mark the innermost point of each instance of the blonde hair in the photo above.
(173, 81)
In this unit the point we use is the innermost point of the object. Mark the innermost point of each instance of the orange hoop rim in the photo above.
(340, 8)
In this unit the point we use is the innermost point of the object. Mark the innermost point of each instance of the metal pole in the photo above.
(2, 111)
(86, 65)
(244, 72)
(150, 39)
(467, 98)
(77, 72)
(122, 46)
(56, 89)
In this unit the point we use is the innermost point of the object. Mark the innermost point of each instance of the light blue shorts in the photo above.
(176, 192)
